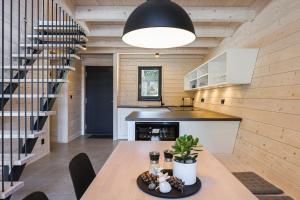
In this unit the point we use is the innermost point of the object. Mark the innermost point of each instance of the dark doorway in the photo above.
(99, 101)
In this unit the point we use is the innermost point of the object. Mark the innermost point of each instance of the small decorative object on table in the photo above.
(154, 167)
(185, 158)
(149, 178)
(164, 186)
(177, 183)
(168, 165)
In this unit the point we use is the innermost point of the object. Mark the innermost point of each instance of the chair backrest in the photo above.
(82, 173)
(36, 196)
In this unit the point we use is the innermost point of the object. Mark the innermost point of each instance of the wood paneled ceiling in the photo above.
(205, 3)
(214, 20)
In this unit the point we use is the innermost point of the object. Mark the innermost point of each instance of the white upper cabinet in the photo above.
(234, 66)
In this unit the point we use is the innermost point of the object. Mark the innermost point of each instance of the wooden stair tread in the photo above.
(28, 80)
(9, 190)
(58, 37)
(55, 45)
(15, 159)
(22, 96)
(28, 67)
(28, 113)
(56, 29)
(15, 134)
(55, 56)
(58, 23)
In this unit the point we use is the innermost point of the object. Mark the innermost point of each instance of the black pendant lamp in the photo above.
(159, 24)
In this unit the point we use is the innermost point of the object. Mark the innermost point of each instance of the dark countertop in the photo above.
(186, 108)
(175, 115)
(171, 108)
(140, 106)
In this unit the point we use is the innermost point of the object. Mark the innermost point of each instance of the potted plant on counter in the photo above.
(185, 158)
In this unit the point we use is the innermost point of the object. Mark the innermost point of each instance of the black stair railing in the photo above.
(10, 91)
(32, 71)
(32, 62)
(57, 47)
(48, 61)
(25, 78)
(19, 77)
(2, 95)
(43, 64)
(38, 67)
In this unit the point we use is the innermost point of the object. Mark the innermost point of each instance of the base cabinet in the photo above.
(215, 136)
(122, 123)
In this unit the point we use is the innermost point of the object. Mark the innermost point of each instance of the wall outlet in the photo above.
(202, 100)
(222, 101)
(42, 141)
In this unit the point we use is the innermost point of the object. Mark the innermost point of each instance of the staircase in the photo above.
(37, 52)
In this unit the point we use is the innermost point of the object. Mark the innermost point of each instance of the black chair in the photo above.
(82, 173)
(36, 196)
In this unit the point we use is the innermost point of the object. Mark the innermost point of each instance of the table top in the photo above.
(117, 178)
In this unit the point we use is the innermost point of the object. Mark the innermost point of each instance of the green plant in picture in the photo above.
(186, 148)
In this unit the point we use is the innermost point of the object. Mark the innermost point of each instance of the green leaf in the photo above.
(186, 148)
(197, 150)
(196, 140)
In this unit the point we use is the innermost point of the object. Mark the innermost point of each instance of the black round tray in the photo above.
(174, 194)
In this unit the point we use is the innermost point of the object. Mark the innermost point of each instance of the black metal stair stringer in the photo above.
(38, 125)
(12, 86)
(20, 74)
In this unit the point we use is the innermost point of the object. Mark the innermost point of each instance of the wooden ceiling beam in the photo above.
(201, 30)
(197, 14)
(132, 50)
(117, 42)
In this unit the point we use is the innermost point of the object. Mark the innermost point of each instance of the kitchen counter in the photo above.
(169, 107)
(179, 114)
(216, 131)
(141, 106)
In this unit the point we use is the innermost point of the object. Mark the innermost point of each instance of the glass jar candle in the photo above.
(168, 164)
(154, 162)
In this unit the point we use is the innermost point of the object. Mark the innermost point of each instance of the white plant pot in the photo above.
(186, 172)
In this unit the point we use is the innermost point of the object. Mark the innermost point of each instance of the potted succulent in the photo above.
(185, 158)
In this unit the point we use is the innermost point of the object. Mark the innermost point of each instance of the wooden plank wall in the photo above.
(269, 135)
(174, 67)
(98, 60)
(74, 101)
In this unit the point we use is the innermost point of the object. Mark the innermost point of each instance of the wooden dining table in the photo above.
(117, 178)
